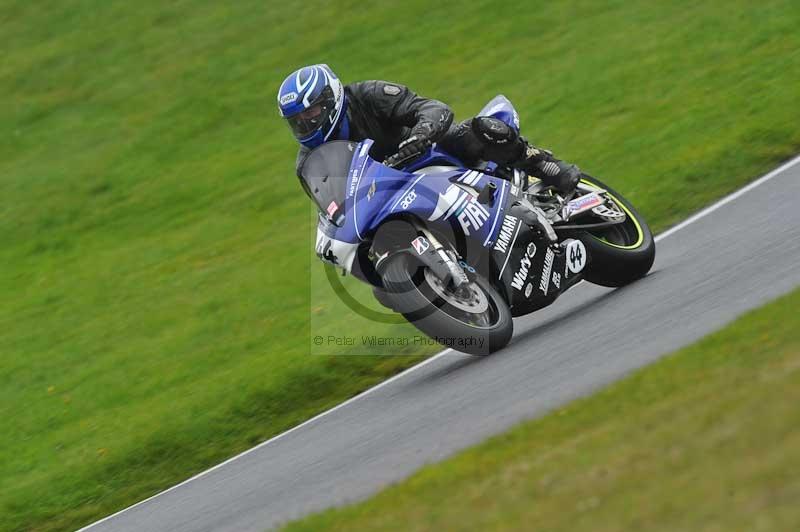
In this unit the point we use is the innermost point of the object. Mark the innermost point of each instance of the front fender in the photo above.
(436, 259)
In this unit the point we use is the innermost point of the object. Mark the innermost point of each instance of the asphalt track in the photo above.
(734, 256)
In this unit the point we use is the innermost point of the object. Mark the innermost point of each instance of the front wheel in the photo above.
(473, 319)
(621, 253)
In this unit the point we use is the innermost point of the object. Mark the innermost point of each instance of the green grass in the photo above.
(158, 287)
(707, 439)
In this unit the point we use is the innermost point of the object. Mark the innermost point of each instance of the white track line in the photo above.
(729, 198)
(281, 435)
(702, 214)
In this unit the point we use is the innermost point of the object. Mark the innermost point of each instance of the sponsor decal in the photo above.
(506, 233)
(576, 256)
(356, 174)
(408, 199)
(557, 280)
(353, 181)
(332, 208)
(324, 250)
(584, 203)
(528, 290)
(288, 98)
(521, 275)
(336, 252)
(457, 202)
(514, 190)
(420, 244)
(391, 90)
(473, 215)
(544, 284)
(525, 265)
(590, 200)
(371, 191)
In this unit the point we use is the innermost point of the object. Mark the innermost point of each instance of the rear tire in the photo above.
(622, 253)
(479, 324)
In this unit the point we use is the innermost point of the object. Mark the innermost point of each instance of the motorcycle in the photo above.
(461, 251)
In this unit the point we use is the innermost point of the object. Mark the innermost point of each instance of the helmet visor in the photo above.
(315, 118)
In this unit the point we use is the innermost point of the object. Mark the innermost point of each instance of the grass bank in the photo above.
(158, 290)
(706, 439)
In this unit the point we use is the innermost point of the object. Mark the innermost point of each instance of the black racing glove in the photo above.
(417, 143)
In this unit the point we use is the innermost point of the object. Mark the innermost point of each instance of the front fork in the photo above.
(426, 248)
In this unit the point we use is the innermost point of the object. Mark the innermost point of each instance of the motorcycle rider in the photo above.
(318, 108)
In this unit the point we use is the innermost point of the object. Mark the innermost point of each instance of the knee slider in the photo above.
(493, 131)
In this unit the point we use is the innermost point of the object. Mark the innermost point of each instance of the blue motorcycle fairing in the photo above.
(501, 108)
(433, 156)
(376, 192)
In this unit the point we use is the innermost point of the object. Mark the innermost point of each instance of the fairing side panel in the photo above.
(376, 192)
(531, 272)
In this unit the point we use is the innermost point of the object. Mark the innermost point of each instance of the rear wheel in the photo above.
(621, 253)
(474, 319)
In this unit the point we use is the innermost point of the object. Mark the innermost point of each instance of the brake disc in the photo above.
(475, 301)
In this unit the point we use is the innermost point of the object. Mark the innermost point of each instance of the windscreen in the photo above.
(324, 174)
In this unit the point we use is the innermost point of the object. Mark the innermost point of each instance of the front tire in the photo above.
(475, 321)
(622, 253)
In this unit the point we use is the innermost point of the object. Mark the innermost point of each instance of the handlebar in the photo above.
(393, 161)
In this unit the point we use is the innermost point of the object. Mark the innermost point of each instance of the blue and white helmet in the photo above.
(313, 103)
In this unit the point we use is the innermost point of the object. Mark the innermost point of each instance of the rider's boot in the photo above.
(485, 138)
(553, 172)
(495, 141)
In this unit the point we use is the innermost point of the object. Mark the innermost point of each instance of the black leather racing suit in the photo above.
(388, 113)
